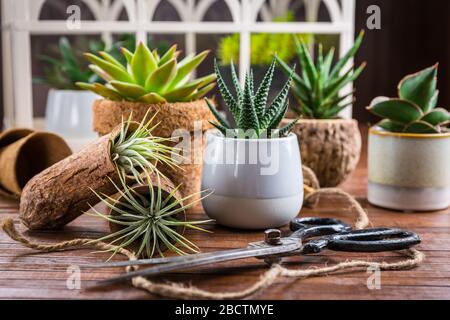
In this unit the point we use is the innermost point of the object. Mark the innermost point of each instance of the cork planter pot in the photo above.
(25, 153)
(187, 120)
(331, 148)
(409, 172)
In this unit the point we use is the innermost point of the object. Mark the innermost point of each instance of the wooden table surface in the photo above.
(26, 274)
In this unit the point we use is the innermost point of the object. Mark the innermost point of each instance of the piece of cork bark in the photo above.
(63, 192)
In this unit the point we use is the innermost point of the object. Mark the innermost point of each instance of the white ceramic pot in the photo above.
(409, 172)
(256, 183)
(69, 113)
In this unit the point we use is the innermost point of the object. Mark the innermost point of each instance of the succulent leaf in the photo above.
(421, 127)
(226, 94)
(397, 110)
(263, 91)
(391, 126)
(158, 80)
(143, 63)
(222, 121)
(318, 85)
(146, 77)
(436, 117)
(420, 88)
(250, 120)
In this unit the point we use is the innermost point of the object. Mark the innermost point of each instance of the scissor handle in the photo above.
(369, 240)
(305, 228)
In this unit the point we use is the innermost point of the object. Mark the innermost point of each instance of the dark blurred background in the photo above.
(414, 34)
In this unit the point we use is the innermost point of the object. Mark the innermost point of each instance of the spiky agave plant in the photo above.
(151, 217)
(414, 111)
(137, 151)
(317, 88)
(147, 77)
(252, 116)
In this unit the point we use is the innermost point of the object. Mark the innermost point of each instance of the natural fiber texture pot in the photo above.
(172, 117)
(331, 148)
(63, 192)
(25, 153)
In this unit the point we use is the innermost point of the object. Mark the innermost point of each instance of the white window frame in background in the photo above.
(20, 20)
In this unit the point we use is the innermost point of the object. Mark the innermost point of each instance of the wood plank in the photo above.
(25, 274)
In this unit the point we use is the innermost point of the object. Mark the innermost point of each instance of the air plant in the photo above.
(252, 116)
(317, 88)
(414, 111)
(150, 216)
(137, 151)
(147, 77)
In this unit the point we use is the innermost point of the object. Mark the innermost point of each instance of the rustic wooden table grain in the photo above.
(26, 274)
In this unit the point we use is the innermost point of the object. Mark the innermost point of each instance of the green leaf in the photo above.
(143, 64)
(249, 118)
(277, 105)
(421, 127)
(436, 117)
(200, 93)
(170, 54)
(306, 61)
(342, 62)
(129, 90)
(286, 130)
(127, 54)
(397, 110)
(114, 71)
(111, 59)
(100, 72)
(182, 92)
(391, 126)
(222, 121)
(325, 71)
(159, 79)
(101, 90)
(185, 67)
(226, 94)
(152, 97)
(434, 100)
(420, 87)
(222, 129)
(339, 83)
(263, 91)
(235, 80)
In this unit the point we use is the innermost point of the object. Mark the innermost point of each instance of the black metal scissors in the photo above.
(327, 233)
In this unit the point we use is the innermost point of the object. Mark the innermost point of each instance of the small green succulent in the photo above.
(317, 88)
(252, 116)
(414, 111)
(152, 218)
(149, 78)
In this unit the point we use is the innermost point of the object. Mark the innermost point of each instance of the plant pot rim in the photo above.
(383, 133)
(148, 103)
(339, 120)
(217, 134)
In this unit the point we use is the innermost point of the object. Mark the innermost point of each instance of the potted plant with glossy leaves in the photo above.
(161, 85)
(409, 151)
(329, 145)
(252, 166)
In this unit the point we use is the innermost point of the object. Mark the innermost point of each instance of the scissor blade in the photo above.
(138, 262)
(208, 258)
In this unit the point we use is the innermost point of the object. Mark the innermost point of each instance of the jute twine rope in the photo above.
(176, 290)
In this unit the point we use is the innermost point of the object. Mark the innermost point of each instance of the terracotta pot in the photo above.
(186, 120)
(331, 148)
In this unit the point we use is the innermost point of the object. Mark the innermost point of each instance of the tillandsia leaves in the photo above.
(415, 110)
(137, 151)
(317, 88)
(154, 219)
(148, 77)
(253, 117)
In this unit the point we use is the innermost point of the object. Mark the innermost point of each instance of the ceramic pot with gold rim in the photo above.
(409, 172)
